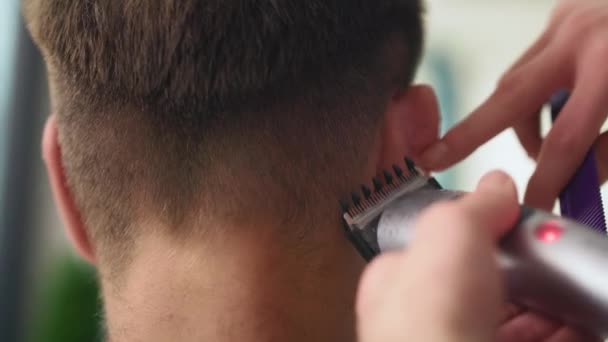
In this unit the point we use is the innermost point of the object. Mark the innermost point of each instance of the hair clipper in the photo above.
(550, 264)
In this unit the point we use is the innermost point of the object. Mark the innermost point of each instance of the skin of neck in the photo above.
(241, 284)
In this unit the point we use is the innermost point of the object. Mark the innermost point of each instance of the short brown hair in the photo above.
(241, 109)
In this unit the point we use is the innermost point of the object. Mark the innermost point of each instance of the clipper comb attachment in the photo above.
(367, 193)
(363, 205)
(356, 199)
(388, 177)
(411, 166)
(398, 171)
(377, 184)
(393, 180)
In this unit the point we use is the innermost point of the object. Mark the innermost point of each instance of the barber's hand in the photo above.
(571, 54)
(447, 286)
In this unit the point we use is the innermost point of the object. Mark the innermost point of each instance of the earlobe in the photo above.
(61, 193)
(411, 123)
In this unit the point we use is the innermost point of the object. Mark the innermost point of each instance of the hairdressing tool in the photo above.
(551, 264)
(581, 200)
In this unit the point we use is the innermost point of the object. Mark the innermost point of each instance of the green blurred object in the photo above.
(69, 309)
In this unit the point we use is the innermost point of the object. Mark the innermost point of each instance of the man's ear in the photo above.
(411, 123)
(61, 193)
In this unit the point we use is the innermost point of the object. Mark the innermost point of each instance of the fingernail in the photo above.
(433, 157)
(539, 193)
(541, 201)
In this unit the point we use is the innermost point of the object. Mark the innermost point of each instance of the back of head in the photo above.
(182, 111)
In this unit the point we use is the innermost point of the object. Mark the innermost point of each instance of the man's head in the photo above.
(200, 118)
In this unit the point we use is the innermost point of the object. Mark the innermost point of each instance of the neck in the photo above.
(251, 286)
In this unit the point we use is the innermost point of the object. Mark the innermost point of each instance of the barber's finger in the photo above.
(545, 39)
(464, 231)
(482, 215)
(420, 130)
(570, 138)
(529, 135)
(377, 284)
(527, 327)
(477, 218)
(454, 240)
(493, 205)
(566, 334)
(491, 210)
(601, 156)
(534, 50)
(383, 301)
(515, 98)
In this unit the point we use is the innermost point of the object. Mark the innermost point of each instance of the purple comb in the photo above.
(581, 199)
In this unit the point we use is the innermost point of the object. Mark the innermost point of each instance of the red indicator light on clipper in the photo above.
(549, 232)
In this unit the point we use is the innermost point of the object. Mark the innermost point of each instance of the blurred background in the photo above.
(47, 294)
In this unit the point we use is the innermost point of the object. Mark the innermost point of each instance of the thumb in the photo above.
(453, 260)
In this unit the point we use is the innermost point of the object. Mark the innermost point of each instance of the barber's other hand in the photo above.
(447, 286)
(572, 53)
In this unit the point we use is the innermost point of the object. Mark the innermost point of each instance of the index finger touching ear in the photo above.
(515, 99)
